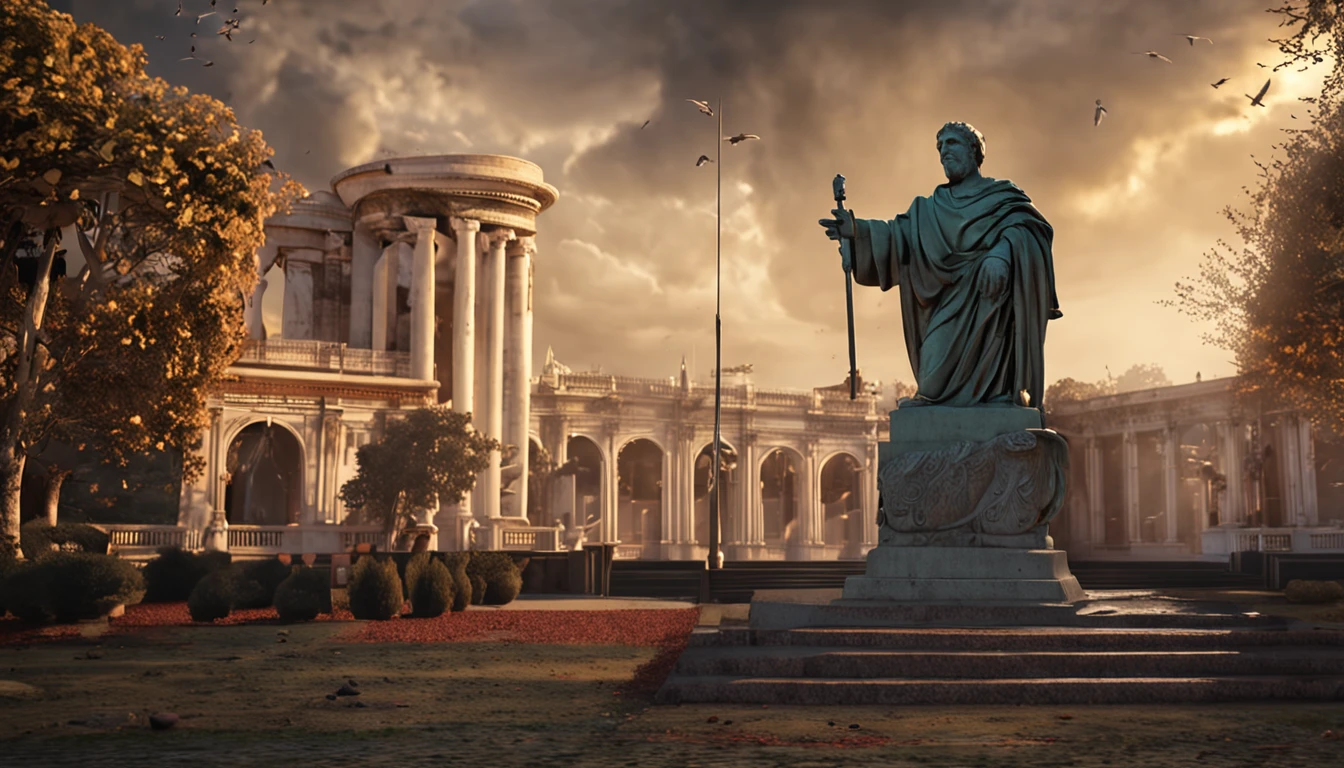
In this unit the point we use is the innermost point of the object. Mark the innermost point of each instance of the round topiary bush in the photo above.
(456, 562)
(375, 589)
(503, 580)
(37, 539)
(302, 595)
(414, 567)
(258, 580)
(1303, 591)
(170, 577)
(433, 592)
(85, 585)
(212, 597)
(477, 589)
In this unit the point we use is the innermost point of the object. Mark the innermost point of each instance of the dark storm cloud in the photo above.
(626, 258)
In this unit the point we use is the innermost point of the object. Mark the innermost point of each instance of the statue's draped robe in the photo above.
(966, 349)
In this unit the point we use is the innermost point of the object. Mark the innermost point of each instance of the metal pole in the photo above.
(714, 528)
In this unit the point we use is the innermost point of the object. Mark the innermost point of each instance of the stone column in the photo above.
(749, 465)
(256, 322)
(610, 495)
(422, 298)
(1096, 502)
(1133, 523)
(1307, 452)
(1290, 470)
(298, 312)
(364, 252)
(868, 536)
(464, 316)
(1172, 482)
(518, 361)
(384, 297)
(494, 373)
(1232, 505)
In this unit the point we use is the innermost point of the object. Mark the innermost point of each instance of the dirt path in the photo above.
(247, 699)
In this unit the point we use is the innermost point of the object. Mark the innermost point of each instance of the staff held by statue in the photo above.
(847, 263)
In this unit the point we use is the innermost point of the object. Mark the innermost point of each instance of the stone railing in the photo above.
(532, 539)
(143, 541)
(628, 552)
(784, 399)
(324, 356)
(1219, 543)
(140, 542)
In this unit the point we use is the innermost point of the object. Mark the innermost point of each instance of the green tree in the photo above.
(432, 455)
(161, 196)
(1142, 376)
(1277, 301)
(1069, 390)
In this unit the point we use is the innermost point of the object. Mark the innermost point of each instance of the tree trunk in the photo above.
(31, 361)
(11, 483)
(52, 501)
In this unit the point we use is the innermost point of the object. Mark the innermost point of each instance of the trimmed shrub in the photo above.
(171, 576)
(433, 591)
(258, 581)
(414, 567)
(477, 589)
(303, 595)
(25, 591)
(503, 580)
(375, 589)
(39, 539)
(1302, 591)
(456, 562)
(212, 597)
(69, 586)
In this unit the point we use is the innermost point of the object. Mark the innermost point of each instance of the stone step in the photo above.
(884, 691)
(800, 661)
(1019, 639)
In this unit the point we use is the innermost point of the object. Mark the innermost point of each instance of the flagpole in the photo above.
(715, 532)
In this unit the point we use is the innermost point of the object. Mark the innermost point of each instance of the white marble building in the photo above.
(1187, 472)
(410, 282)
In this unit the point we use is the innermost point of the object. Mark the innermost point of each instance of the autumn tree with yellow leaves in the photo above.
(157, 198)
(1277, 301)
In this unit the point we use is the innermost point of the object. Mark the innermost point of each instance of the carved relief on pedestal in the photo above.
(997, 493)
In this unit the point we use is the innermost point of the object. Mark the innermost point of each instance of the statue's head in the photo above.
(960, 145)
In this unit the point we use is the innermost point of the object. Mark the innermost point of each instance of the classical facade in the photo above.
(410, 282)
(1186, 472)
(798, 483)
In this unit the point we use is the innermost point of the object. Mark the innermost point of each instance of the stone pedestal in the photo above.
(966, 495)
(965, 574)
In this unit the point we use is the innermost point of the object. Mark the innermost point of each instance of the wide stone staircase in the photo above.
(1028, 665)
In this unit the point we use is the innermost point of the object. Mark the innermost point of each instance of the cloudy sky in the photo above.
(625, 269)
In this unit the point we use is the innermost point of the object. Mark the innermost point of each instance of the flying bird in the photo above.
(1193, 38)
(1152, 55)
(1220, 82)
(1100, 113)
(203, 15)
(703, 106)
(1255, 100)
(646, 123)
(159, 37)
(703, 159)
(268, 164)
(1258, 64)
(741, 137)
(179, 8)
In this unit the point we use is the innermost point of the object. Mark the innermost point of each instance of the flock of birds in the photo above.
(708, 111)
(1256, 101)
(231, 25)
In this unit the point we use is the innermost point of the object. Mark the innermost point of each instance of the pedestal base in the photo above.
(965, 574)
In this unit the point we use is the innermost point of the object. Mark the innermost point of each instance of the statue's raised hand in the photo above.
(993, 277)
(841, 226)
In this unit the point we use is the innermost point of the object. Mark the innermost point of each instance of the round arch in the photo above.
(639, 493)
(632, 438)
(730, 517)
(251, 419)
(780, 487)
(841, 484)
(264, 462)
(587, 462)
